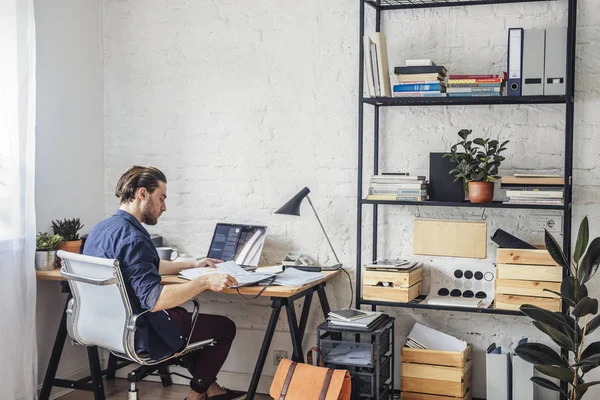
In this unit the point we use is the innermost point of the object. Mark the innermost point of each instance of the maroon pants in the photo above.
(205, 364)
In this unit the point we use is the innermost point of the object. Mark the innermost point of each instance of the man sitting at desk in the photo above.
(165, 330)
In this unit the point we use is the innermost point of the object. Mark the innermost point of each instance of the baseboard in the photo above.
(230, 380)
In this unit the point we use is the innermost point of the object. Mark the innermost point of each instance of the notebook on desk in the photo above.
(242, 244)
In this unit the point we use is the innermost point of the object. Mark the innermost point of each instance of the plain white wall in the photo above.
(69, 144)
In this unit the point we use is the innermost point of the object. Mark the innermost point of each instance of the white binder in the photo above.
(556, 62)
(534, 43)
(498, 377)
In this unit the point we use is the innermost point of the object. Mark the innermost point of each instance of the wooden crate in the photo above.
(436, 373)
(395, 278)
(395, 294)
(521, 256)
(422, 396)
(510, 302)
(522, 276)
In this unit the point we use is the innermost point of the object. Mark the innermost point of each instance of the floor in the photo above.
(116, 389)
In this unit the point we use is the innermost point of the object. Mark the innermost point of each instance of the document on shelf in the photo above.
(431, 339)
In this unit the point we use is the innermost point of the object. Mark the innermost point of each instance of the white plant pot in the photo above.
(44, 260)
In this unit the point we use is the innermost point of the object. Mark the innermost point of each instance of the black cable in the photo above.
(351, 289)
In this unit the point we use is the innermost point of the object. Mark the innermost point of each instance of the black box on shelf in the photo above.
(441, 184)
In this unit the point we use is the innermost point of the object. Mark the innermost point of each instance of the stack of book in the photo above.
(474, 85)
(353, 318)
(397, 186)
(542, 189)
(420, 78)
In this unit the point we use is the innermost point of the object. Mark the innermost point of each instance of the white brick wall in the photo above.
(244, 103)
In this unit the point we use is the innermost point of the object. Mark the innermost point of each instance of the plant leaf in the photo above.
(582, 239)
(539, 353)
(590, 262)
(562, 373)
(557, 336)
(545, 383)
(479, 141)
(556, 251)
(590, 350)
(540, 314)
(591, 361)
(586, 306)
(585, 386)
(592, 325)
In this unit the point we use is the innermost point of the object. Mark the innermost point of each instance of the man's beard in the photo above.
(147, 216)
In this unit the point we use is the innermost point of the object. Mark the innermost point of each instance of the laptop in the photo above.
(240, 243)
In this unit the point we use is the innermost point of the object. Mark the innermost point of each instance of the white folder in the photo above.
(534, 43)
(498, 377)
(556, 62)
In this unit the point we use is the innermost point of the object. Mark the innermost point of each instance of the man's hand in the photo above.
(205, 262)
(217, 281)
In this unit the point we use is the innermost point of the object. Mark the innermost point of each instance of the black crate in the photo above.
(366, 354)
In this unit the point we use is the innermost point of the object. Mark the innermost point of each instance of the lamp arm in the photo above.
(326, 237)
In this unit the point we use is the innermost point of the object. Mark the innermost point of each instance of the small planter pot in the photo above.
(44, 260)
(73, 246)
(481, 192)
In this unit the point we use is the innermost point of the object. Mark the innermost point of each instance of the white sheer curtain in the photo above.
(18, 350)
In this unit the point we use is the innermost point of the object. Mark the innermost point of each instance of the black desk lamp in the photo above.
(292, 207)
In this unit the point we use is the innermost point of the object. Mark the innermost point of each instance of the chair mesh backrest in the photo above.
(100, 313)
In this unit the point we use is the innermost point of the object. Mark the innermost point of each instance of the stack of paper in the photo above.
(350, 353)
(289, 277)
(423, 337)
(243, 277)
(369, 320)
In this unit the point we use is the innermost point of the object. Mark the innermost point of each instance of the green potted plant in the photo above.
(69, 230)
(478, 161)
(565, 329)
(45, 250)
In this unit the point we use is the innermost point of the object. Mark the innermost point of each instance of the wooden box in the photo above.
(395, 286)
(432, 374)
(522, 276)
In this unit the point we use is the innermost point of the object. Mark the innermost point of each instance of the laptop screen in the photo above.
(240, 243)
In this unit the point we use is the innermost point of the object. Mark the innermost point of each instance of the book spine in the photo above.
(420, 70)
(398, 192)
(456, 85)
(419, 94)
(473, 94)
(417, 88)
(473, 90)
(491, 80)
(395, 198)
(474, 76)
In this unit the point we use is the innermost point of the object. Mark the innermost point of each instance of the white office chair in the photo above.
(99, 314)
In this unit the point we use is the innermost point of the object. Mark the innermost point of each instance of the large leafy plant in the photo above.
(565, 329)
(67, 228)
(478, 159)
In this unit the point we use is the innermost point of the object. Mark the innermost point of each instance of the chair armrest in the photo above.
(194, 319)
(92, 281)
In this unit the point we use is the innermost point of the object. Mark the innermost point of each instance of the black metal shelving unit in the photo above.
(504, 101)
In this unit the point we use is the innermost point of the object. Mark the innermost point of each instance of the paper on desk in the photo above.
(436, 340)
(228, 267)
(271, 270)
(296, 277)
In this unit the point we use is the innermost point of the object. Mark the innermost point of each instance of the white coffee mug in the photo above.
(167, 253)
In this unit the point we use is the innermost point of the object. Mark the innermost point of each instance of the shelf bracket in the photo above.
(483, 216)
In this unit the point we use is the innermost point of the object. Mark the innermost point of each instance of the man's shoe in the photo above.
(229, 395)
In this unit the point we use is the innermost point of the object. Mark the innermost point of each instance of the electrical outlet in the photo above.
(554, 224)
(279, 355)
(551, 223)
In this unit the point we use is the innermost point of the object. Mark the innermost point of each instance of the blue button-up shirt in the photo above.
(122, 237)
